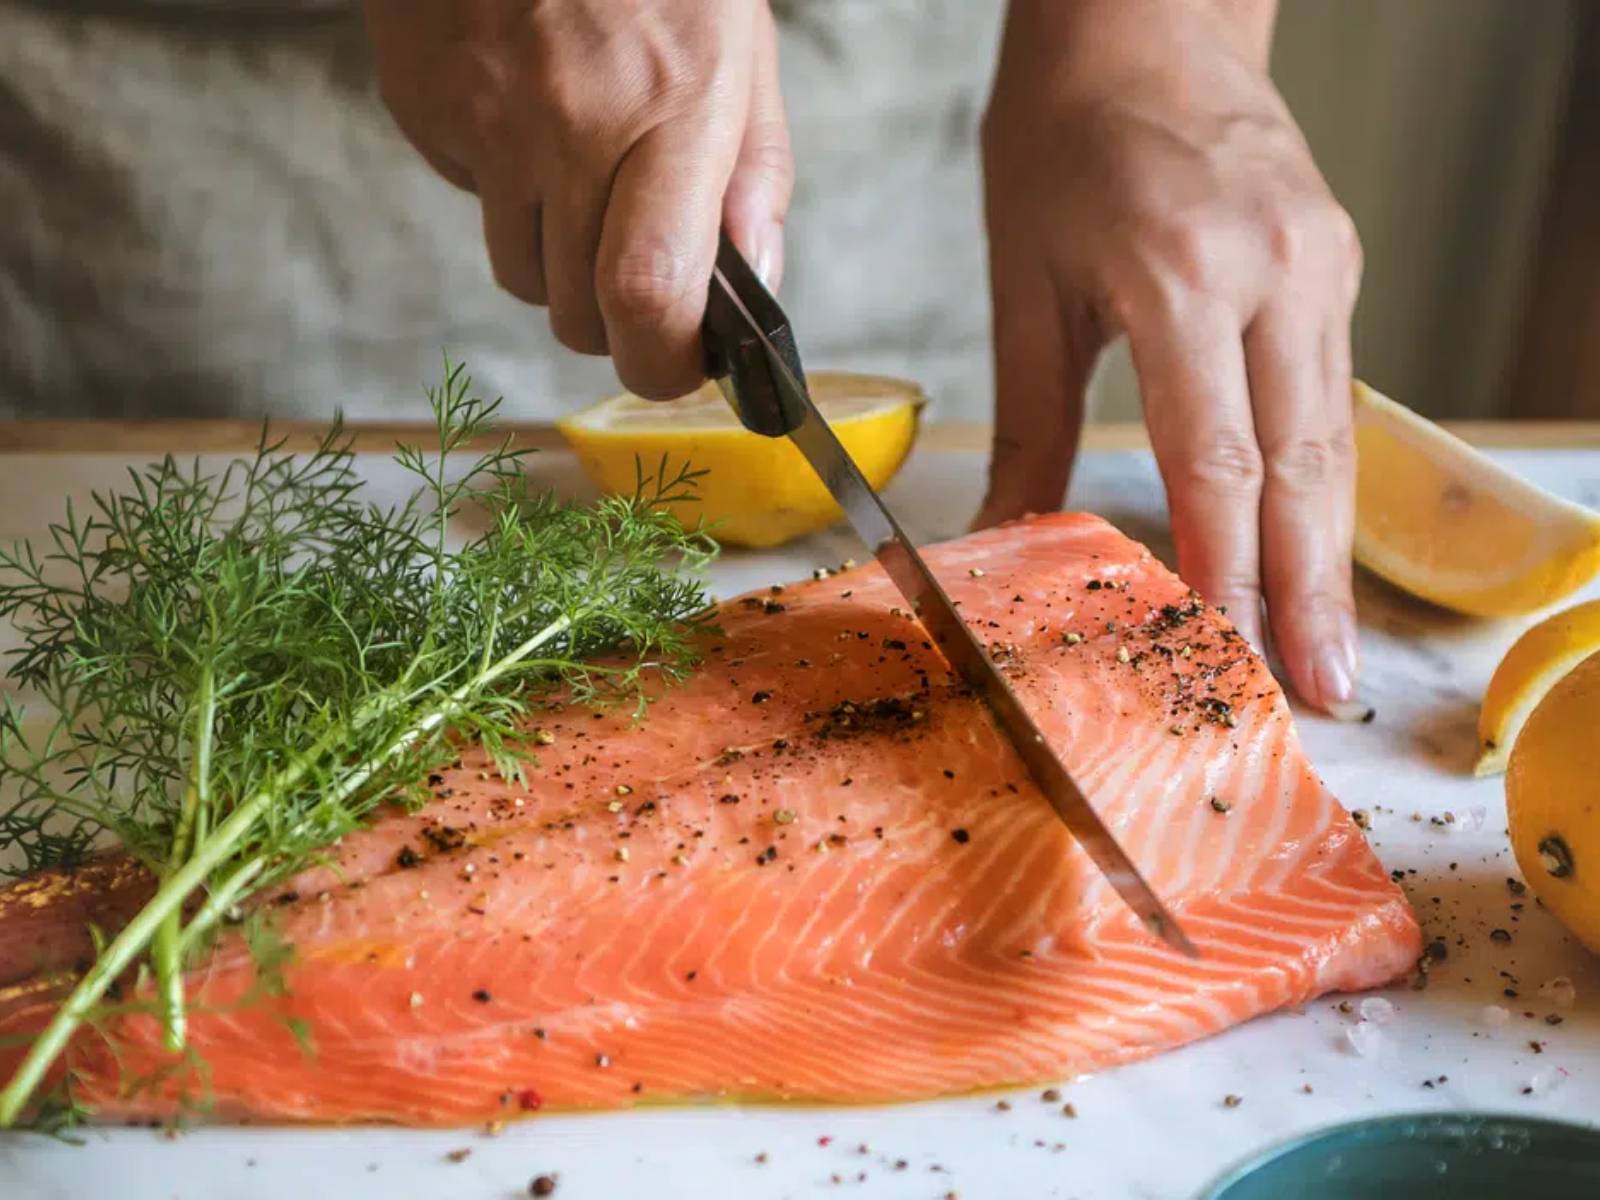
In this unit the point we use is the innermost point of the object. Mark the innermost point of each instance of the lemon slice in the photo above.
(1550, 808)
(757, 491)
(1444, 522)
(1539, 660)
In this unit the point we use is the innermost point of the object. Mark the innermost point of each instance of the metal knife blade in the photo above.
(754, 359)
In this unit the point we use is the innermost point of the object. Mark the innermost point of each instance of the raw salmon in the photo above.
(813, 872)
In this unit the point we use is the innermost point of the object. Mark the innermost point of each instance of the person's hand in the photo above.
(607, 141)
(1143, 177)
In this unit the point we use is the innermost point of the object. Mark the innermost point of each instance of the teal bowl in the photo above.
(1424, 1156)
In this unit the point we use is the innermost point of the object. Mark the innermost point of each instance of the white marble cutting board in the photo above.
(1154, 1129)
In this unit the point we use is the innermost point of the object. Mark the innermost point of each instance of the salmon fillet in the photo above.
(813, 872)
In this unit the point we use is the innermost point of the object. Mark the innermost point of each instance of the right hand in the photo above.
(608, 142)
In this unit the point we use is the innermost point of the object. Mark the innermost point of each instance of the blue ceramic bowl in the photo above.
(1424, 1156)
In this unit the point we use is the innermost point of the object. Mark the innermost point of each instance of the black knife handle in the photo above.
(740, 313)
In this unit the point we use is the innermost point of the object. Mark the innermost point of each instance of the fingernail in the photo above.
(1334, 683)
(1351, 639)
(1336, 673)
(1350, 711)
(766, 263)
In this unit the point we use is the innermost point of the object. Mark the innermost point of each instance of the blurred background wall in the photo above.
(1435, 122)
(216, 217)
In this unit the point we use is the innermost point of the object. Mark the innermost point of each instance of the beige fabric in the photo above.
(213, 217)
(207, 211)
(218, 217)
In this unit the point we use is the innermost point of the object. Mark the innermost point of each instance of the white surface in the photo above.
(1154, 1129)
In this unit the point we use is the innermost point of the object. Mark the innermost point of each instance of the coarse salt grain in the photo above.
(1364, 1038)
(1544, 1081)
(1377, 1010)
(1494, 1015)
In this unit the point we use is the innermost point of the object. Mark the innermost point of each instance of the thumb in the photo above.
(1041, 370)
(757, 199)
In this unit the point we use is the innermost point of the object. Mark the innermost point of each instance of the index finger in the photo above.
(658, 244)
(1188, 353)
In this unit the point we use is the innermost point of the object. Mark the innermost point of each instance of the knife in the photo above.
(751, 353)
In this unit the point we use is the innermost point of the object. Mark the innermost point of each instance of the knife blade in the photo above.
(752, 355)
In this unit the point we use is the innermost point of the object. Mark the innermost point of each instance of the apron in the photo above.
(207, 212)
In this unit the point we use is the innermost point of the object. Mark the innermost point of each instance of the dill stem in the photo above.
(206, 857)
(166, 950)
(222, 897)
(218, 902)
(128, 944)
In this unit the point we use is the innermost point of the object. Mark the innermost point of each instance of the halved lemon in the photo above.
(1553, 802)
(1539, 660)
(1445, 522)
(757, 491)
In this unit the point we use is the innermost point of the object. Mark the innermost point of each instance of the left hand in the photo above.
(1143, 177)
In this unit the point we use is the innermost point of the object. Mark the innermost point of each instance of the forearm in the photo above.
(1249, 24)
(1101, 38)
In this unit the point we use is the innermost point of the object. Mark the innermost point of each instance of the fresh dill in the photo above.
(237, 667)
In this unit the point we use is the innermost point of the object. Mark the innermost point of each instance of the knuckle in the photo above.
(672, 69)
(770, 158)
(643, 286)
(1286, 235)
(482, 81)
(1229, 465)
(1318, 233)
(569, 110)
(1186, 250)
(1342, 228)
(1125, 298)
(1342, 453)
(1352, 257)
(1304, 464)
(1296, 232)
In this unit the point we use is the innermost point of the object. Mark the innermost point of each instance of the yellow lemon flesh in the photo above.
(1444, 522)
(1539, 660)
(757, 491)
(1553, 802)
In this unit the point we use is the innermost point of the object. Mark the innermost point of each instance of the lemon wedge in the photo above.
(1540, 659)
(757, 491)
(1550, 808)
(1445, 522)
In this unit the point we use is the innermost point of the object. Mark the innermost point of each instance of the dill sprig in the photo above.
(238, 667)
